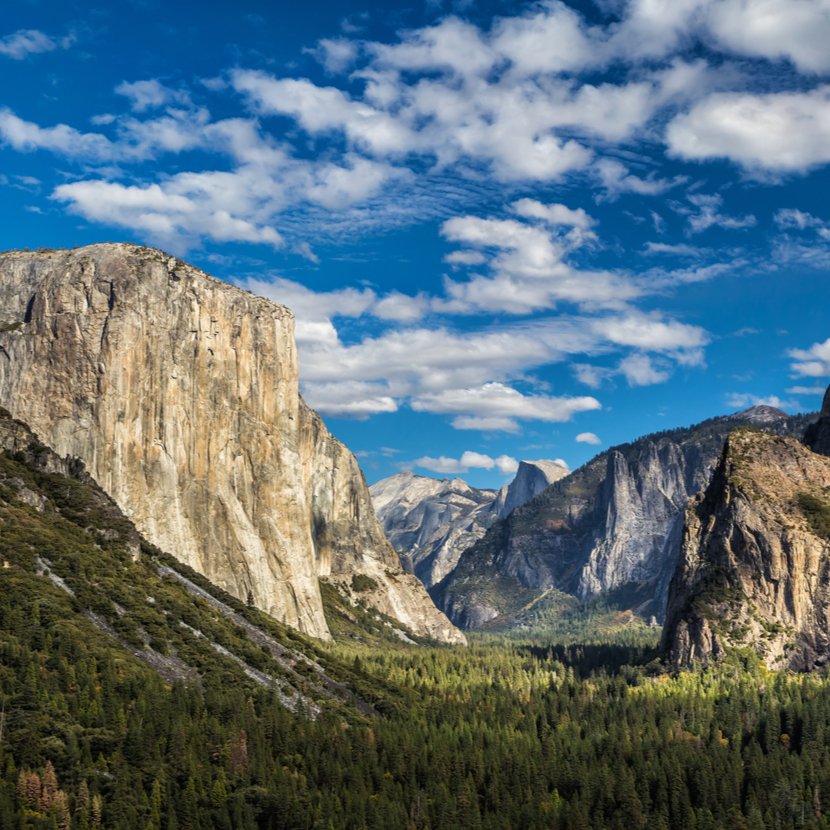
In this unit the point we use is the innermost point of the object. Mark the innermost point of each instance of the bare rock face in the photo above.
(179, 393)
(430, 522)
(754, 571)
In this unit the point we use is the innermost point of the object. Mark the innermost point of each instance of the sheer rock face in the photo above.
(179, 393)
(614, 524)
(532, 478)
(754, 570)
(430, 522)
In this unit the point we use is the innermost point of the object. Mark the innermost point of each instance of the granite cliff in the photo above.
(180, 394)
(612, 527)
(754, 571)
(430, 522)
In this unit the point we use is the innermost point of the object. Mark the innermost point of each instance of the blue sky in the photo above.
(507, 230)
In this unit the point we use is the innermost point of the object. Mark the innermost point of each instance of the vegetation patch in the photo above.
(361, 583)
(817, 512)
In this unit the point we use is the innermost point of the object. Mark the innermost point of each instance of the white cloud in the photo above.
(554, 214)
(26, 136)
(401, 308)
(150, 94)
(486, 424)
(798, 31)
(706, 214)
(651, 332)
(323, 109)
(469, 460)
(792, 218)
(772, 29)
(336, 54)
(588, 438)
(452, 45)
(527, 265)
(617, 179)
(640, 370)
(591, 376)
(813, 362)
(465, 258)
(671, 250)
(784, 132)
(349, 399)
(551, 41)
(806, 390)
(25, 42)
(499, 400)
(165, 213)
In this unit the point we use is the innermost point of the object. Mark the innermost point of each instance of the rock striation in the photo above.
(430, 522)
(613, 526)
(754, 571)
(179, 393)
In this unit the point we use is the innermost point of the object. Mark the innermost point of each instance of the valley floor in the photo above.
(503, 734)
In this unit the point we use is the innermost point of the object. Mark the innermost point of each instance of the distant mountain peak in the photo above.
(760, 414)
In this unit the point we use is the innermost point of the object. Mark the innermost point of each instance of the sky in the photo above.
(507, 230)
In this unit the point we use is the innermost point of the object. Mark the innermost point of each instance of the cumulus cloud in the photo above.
(813, 362)
(588, 438)
(469, 460)
(150, 94)
(590, 375)
(652, 332)
(641, 370)
(782, 132)
(336, 54)
(497, 400)
(27, 136)
(165, 213)
(555, 214)
(774, 29)
(527, 264)
(350, 399)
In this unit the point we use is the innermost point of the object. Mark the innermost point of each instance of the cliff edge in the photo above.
(179, 392)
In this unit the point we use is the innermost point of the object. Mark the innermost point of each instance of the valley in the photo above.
(136, 692)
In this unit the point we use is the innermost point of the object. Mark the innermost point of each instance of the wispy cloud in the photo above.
(25, 42)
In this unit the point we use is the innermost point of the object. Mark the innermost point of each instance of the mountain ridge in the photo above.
(614, 524)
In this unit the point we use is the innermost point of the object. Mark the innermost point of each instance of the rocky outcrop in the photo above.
(179, 393)
(754, 571)
(532, 478)
(431, 522)
(611, 527)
